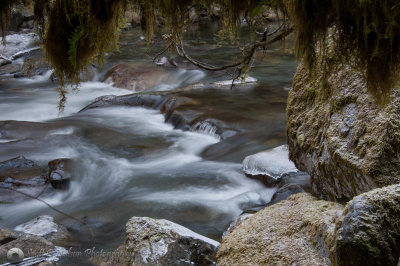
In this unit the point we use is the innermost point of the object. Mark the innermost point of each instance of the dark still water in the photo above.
(130, 162)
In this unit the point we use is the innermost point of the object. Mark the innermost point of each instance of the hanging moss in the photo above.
(365, 29)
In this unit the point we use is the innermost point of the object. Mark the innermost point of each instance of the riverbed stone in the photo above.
(9, 69)
(296, 231)
(35, 64)
(346, 138)
(284, 192)
(21, 171)
(161, 242)
(60, 173)
(369, 232)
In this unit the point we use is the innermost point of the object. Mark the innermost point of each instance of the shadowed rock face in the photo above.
(369, 232)
(340, 135)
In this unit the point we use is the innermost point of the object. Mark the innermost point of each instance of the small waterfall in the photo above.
(206, 128)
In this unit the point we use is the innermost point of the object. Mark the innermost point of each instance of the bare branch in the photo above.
(51, 207)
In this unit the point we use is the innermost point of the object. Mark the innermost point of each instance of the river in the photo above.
(131, 162)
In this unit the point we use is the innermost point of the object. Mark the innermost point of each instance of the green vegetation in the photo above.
(78, 32)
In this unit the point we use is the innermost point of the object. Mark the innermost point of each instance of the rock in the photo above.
(35, 64)
(21, 171)
(134, 77)
(285, 192)
(4, 61)
(296, 231)
(269, 166)
(369, 233)
(19, 13)
(166, 62)
(348, 141)
(45, 227)
(9, 69)
(30, 245)
(60, 173)
(243, 217)
(161, 242)
(16, 43)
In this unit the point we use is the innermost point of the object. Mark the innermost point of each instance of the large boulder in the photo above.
(134, 77)
(340, 134)
(161, 242)
(296, 231)
(35, 64)
(369, 232)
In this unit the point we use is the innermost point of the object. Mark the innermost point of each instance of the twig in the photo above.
(51, 207)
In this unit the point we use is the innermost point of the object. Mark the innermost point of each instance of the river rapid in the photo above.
(131, 161)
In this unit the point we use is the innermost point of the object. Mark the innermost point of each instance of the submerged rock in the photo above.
(161, 242)
(369, 233)
(60, 173)
(296, 231)
(348, 142)
(21, 171)
(35, 64)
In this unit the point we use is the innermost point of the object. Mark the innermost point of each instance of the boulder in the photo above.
(45, 227)
(369, 232)
(60, 173)
(161, 242)
(35, 64)
(296, 231)
(134, 77)
(347, 141)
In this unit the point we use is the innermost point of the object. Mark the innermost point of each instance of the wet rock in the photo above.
(134, 76)
(146, 100)
(269, 166)
(4, 61)
(296, 231)
(345, 141)
(60, 173)
(285, 192)
(45, 227)
(35, 64)
(9, 69)
(21, 171)
(369, 233)
(161, 242)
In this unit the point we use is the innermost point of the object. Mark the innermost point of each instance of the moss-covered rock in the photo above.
(369, 233)
(296, 231)
(339, 133)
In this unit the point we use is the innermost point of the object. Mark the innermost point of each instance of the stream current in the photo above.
(131, 162)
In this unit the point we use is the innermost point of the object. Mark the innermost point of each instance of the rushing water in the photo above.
(132, 163)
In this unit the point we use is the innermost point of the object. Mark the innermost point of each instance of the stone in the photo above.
(239, 220)
(45, 227)
(296, 231)
(269, 166)
(21, 171)
(161, 242)
(134, 77)
(348, 141)
(9, 69)
(369, 232)
(285, 192)
(60, 173)
(35, 64)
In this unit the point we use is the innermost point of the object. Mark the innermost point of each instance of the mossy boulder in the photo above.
(344, 137)
(369, 233)
(296, 231)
